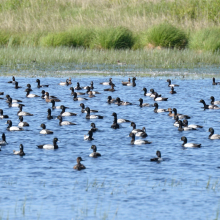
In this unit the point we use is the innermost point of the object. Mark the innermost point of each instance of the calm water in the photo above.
(122, 183)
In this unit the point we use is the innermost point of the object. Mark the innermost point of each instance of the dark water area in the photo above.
(122, 183)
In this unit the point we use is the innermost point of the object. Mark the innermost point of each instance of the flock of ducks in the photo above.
(75, 92)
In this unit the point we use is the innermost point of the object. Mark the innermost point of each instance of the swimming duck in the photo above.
(13, 80)
(78, 93)
(39, 85)
(120, 63)
(22, 113)
(170, 112)
(94, 153)
(28, 88)
(138, 142)
(88, 116)
(185, 123)
(49, 98)
(190, 145)
(171, 85)
(156, 110)
(125, 83)
(78, 86)
(21, 123)
(143, 104)
(213, 102)
(1, 93)
(91, 85)
(212, 135)
(28, 95)
(21, 152)
(112, 89)
(107, 83)
(44, 130)
(176, 123)
(94, 129)
(182, 128)
(75, 98)
(115, 124)
(10, 104)
(61, 122)
(133, 83)
(64, 83)
(49, 146)
(153, 93)
(12, 100)
(43, 96)
(13, 128)
(110, 100)
(145, 92)
(120, 120)
(1, 114)
(172, 91)
(53, 105)
(49, 116)
(119, 102)
(181, 116)
(79, 166)
(158, 158)
(3, 141)
(138, 132)
(16, 85)
(93, 92)
(157, 98)
(64, 113)
(208, 106)
(83, 108)
(89, 136)
(215, 83)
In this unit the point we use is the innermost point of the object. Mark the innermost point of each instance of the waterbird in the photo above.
(20, 152)
(49, 146)
(94, 153)
(190, 145)
(158, 158)
(79, 166)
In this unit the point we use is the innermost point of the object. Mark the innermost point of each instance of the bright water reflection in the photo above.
(123, 183)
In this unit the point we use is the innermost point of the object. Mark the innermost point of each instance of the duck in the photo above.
(110, 100)
(10, 104)
(44, 130)
(12, 100)
(153, 93)
(78, 93)
(145, 92)
(88, 88)
(170, 112)
(212, 135)
(75, 98)
(115, 124)
(157, 98)
(121, 63)
(182, 128)
(171, 85)
(94, 153)
(107, 83)
(28, 88)
(176, 123)
(143, 104)
(181, 116)
(2, 115)
(64, 83)
(190, 145)
(53, 105)
(138, 132)
(61, 122)
(22, 123)
(120, 120)
(49, 98)
(215, 83)
(125, 83)
(49, 116)
(133, 83)
(3, 141)
(22, 113)
(1, 93)
(208, 106)
(43, 96)
(213, 102)
(138, 142)
(185, 124)
(49, 146)
(16, 85)
(78, 86)
(28, 95)
(94, 128)
(91, 94)
(112, 89)
(119, 102)
(64, 113)
(156, 110)
(88, 116)
(172, 91)
(79, 166)
(89, 136)
(83, 108)
(39, 85)
(13, 128)
(21, 152)
(91, 85)
(13, 80)
(70, 81)
(158, 158)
